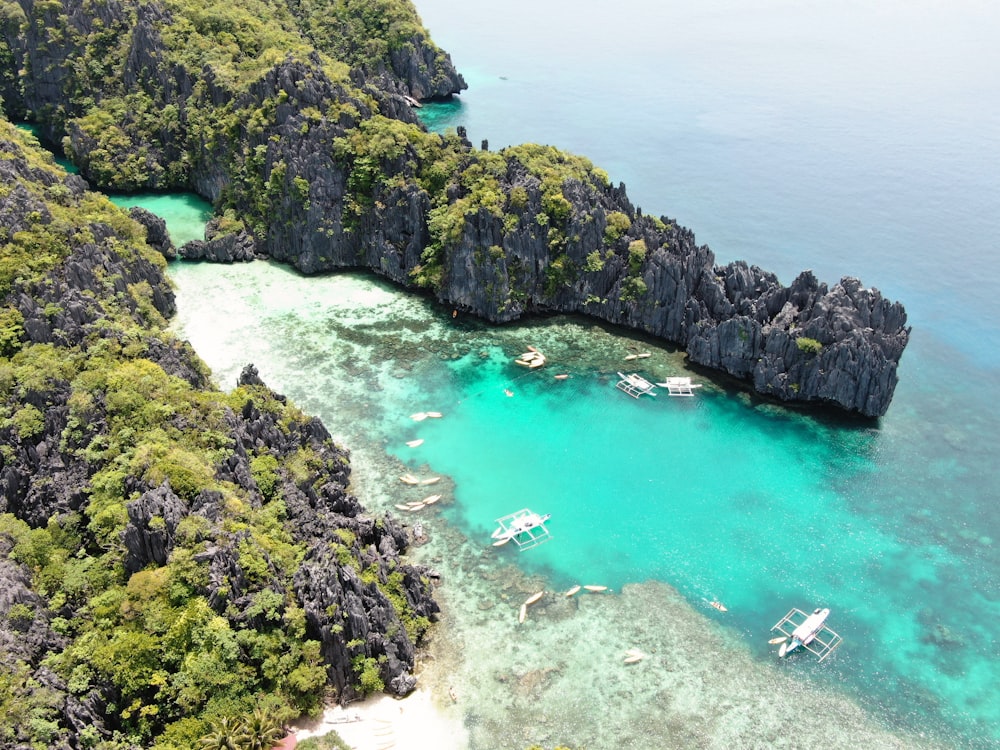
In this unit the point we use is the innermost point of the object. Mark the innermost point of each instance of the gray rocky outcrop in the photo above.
(230, 247)
(315, 207)
(108, 293)
(156, 231)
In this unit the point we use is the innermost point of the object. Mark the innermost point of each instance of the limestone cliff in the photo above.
(214, 535)
(328, 170)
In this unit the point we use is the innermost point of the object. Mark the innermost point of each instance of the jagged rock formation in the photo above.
(323, 181)
(156, 231)
(85, 362)
(220, 247)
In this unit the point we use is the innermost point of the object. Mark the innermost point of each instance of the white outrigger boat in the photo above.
(809, 632)
(679, 386)
(635, 385)
(524, 527)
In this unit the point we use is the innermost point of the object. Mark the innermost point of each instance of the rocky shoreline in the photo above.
(324, 174)
(122, 467)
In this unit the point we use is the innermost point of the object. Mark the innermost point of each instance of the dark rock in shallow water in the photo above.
(156, 231)
(232, 247)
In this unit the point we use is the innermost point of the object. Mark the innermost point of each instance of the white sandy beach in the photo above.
(385, 723)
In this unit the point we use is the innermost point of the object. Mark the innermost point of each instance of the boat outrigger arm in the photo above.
(809, 632)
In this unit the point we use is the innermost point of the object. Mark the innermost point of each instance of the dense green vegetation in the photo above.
(254, 99)
(361, 33)
(176, 655)
(808, 345)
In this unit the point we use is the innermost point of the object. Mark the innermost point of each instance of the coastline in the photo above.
(417, 722)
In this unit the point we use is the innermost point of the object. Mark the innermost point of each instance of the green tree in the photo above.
(226, 734)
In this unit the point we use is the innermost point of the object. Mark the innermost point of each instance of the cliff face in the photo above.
(331, 172)
(130, 487)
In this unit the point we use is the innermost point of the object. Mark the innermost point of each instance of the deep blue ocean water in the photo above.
(848, 139)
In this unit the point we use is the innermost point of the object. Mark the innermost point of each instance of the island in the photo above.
(178, 562)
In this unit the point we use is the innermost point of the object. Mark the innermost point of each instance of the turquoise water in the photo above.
(848, 139)
(184, 213)
(61, 161)
(719, 496)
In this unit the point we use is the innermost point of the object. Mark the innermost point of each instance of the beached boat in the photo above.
(573, 591)
(534, 598)
(409, 479)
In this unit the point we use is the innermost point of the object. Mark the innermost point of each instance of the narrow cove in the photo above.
(705, 495)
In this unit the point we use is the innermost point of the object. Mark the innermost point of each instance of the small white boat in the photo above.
(630, 357)
(595, 589)
(679, 386)
(643, 355)
(573, 591)
(523, 613)
(434, 415)
(431, 499)
(420, 416)
(409, 479)
(501, 542)
(634, 659)
(804, 634)
(431, 480)
(534, 598)
(531, 358)
(635, 385)
(521, 524)
(415, 443)
(808, 632)
(402, 507)
(523, 527)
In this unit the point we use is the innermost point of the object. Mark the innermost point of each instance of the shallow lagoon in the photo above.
(716, 497)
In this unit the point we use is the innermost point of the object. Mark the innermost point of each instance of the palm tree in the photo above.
(226, 734)
(262, 730)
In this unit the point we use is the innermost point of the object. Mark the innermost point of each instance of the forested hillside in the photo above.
(174, 559)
